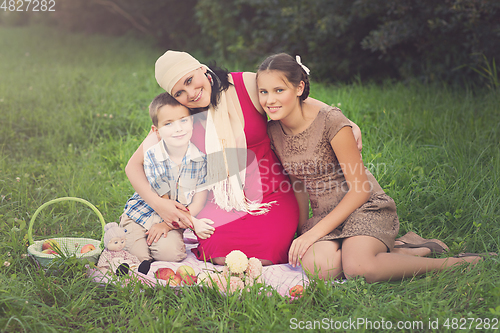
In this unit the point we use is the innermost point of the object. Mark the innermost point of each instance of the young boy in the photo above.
(176, 169)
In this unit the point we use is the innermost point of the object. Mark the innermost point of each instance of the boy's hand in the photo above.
(203, 228)
(156, 231)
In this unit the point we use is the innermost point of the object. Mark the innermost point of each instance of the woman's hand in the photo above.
(173, 212)
(156, 231)
(299, 247)
(203, 228)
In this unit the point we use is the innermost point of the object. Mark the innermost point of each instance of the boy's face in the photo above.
(175, 125)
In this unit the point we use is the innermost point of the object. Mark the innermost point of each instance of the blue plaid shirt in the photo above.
(165, 177)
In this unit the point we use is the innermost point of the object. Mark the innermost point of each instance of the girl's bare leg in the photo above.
(325, 259)
(367, 256)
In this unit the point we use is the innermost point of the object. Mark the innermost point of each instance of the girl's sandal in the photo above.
(412, 240)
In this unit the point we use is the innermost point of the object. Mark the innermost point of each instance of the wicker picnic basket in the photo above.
(67, 246)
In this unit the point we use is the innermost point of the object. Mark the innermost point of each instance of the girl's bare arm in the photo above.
(302, 199)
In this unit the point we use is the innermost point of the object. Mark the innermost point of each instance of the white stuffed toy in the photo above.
(114, 257)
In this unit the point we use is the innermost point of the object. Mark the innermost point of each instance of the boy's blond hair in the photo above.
(159, 101)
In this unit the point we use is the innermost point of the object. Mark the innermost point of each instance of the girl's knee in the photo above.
(310, 265)
(323, 266)
(356, 269)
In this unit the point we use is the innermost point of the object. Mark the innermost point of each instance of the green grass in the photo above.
(433, 149)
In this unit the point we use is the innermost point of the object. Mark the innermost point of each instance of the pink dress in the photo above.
(266, 236)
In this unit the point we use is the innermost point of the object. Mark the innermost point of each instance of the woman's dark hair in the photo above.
(293, 72)
(220, 83)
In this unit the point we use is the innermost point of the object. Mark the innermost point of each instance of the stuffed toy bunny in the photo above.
(114, 257)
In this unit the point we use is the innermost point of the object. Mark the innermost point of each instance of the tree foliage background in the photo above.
(447, 40)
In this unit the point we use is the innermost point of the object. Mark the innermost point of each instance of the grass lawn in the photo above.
(73, 108)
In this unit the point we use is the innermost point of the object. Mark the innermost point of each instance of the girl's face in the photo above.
(193, 90)
(277, 96)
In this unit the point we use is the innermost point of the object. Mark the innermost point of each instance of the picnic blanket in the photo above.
(281, 277)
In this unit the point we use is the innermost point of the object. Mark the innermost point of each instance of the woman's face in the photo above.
(193, 90)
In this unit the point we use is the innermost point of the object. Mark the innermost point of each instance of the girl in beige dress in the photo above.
(354, 223)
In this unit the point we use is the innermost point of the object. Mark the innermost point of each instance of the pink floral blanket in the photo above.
(280, 277)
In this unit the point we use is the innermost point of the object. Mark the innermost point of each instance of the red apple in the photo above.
(164, 273)
(87, 248)
(296, 291)
(50, 244)
(49, 251)
(175, 280)
(189, 279)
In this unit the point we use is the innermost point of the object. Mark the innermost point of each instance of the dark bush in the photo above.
(430, 39)
(338, 39)
(374, 39)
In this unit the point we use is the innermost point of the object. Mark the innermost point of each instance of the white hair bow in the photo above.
(297, 58)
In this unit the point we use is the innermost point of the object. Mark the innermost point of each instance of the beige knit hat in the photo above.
(172, 66)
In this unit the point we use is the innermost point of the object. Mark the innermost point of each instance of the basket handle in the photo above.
(30, 228)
